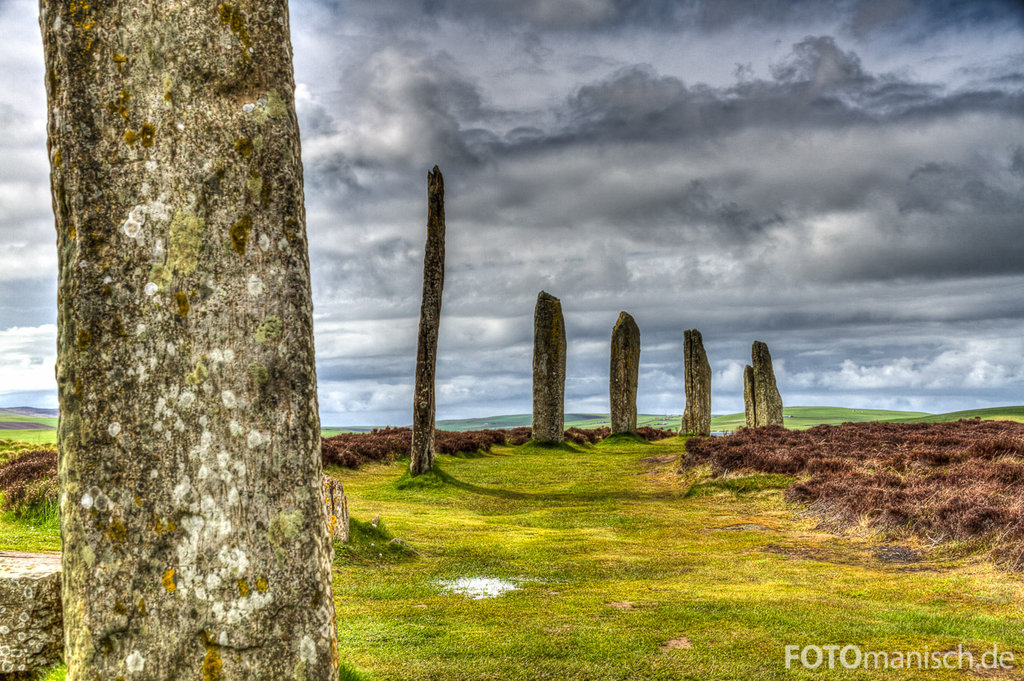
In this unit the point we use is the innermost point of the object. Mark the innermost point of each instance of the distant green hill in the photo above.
(42, 429)
(991, 414)
(801, 418)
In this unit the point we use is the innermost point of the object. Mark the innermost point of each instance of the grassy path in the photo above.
(628, 572)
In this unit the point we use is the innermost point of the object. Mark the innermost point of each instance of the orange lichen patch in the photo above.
(117, 532)
(58, 159)
(168, 580)
(182, 300)
(120, 60)
(148, 133)
(261, 585)
(243, 588)
(212, 665)
(235, 20)
(243, 145)
(240, 233)
(130, 137)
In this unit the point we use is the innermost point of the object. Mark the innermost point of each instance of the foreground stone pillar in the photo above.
(761, 394)
(548, 370)
(195, 541)
(31, 631)
(697, 383)
(625, 369)
(430, 320)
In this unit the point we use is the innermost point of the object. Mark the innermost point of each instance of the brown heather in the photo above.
(29, 480)
(961, 481)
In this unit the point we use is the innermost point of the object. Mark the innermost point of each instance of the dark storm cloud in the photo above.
(840, 179)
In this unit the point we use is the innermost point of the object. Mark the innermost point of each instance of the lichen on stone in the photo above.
(269, 330)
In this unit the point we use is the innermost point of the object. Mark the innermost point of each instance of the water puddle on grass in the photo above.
(478, 587)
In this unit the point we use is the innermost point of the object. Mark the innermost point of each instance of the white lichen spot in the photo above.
(151, 166)
(248, 108)
(203, 421)
(187, 399)
(140, 329)
(222, 639)
(159, 251)
(236, 429)
(216, 356)
(171, 350)
(223, 459)
(87, 501)
(307, 650)
(228, 398)
(254, 285)
(179, 425)
(264, 242)
(233, 496)
(135, 662)
(255, 439)
(132, 226)
(181, 490)
(203, 472)
(213, 581)
(234, 560)
(107, 280)
(114, 429)
(283, 244)
(150, 289)
(154, 474)
(229, 355)
(180, 126)
(158, 426)
(205, 440)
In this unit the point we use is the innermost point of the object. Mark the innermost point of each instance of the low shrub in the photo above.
(961, 481)
(29, 481)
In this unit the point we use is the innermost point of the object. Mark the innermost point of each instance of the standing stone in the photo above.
(625, 368)
(697, 380)
(761, 394)
(548, 370)
(195, 542)
(337, 508)
(430, 319)
(31, 631)
(748, 396)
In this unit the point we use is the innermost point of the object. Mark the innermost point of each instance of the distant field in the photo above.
(36, 429)
(797, 418)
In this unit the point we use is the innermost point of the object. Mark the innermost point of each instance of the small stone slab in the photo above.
(337, 508)
(31, 622)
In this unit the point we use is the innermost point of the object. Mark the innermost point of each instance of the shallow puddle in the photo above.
(478, 587)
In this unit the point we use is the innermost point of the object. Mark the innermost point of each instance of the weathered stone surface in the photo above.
(195, 539)
(337, 508)
(697, 383)
(624, 372)
(430, 320)
(748, 396)
(762, 396)
(31, 631)
(548, 370)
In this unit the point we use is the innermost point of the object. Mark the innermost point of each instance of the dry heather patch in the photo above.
(351, 450)
(961, 481)
(29, 480)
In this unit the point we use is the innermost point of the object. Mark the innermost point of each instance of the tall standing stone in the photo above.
(761, 395)
(697, 384)
(430, 319)
(625, 369)
(548, 370)
(195, 541)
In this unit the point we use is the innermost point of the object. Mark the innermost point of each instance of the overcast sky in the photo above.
(842, 180)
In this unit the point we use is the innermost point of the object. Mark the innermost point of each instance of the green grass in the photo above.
(615, 555)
